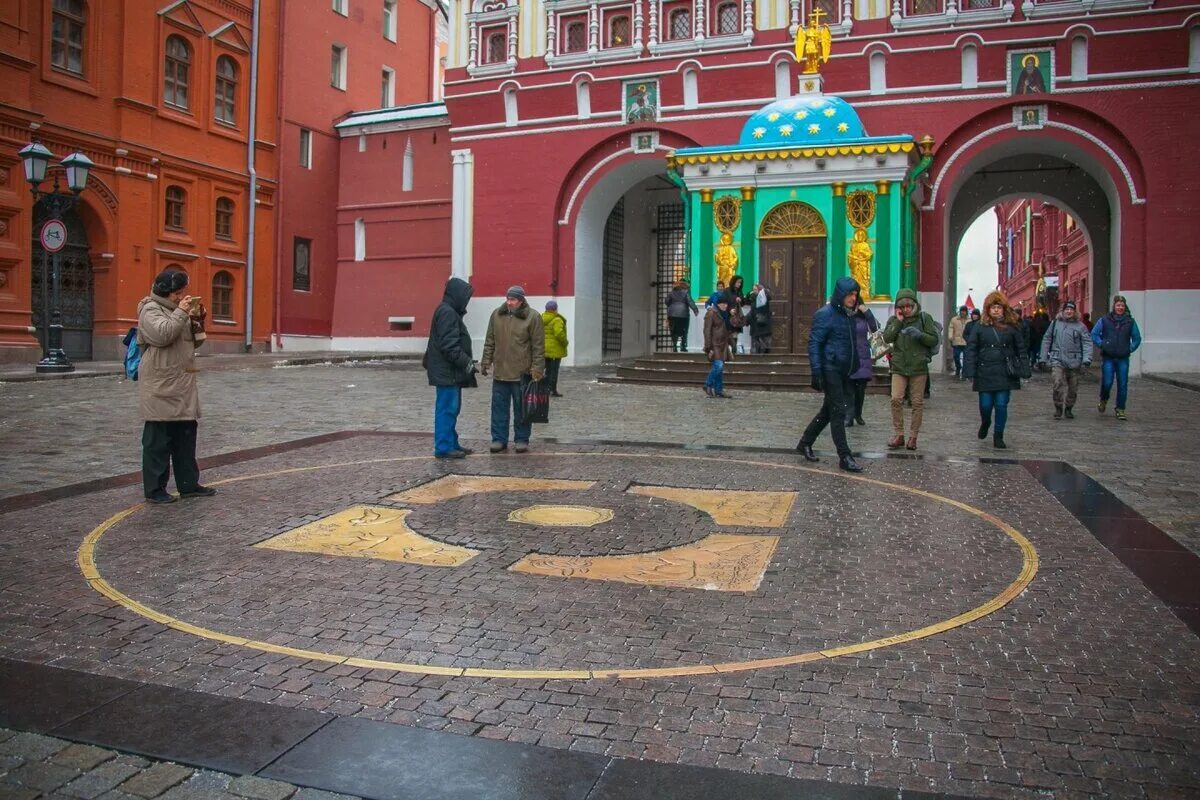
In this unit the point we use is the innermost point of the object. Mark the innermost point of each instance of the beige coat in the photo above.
(167, 388)
(955, 330)
(515, 343)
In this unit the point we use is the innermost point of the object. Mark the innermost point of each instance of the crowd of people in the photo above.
(994, 350)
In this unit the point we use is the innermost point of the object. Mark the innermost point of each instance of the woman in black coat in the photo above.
(997, 357)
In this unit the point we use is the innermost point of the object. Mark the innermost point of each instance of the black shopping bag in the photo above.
(535, 401)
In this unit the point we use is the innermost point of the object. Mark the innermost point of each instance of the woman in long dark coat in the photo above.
(997, 358)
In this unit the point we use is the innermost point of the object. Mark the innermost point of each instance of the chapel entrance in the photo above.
(792, 265)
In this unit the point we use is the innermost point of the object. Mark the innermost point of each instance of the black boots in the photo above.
(998, 441)
(849, 464)
(807, 451)
(983, 428)
(1069, 412)
(1058, 412)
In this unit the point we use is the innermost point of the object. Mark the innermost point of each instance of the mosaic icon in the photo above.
(561, 516)
(743, 508)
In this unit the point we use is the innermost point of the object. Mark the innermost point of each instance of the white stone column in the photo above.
(462, 212)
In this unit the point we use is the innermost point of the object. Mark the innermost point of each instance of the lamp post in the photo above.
(53, 235)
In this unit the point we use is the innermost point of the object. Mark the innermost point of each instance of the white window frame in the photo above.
(387, 85)
(343, 66)
(306, 159)
(702, 13)
(970, 66)
(783, 80)
(691, 88)
(341, 7)
(360, 239)
(487, 14)
(878, 71)
(389, 20)
(583, 99)
(1079, 58)
(511, 115)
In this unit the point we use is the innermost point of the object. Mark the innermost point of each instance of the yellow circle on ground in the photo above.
(561, 516)
(1029, 565)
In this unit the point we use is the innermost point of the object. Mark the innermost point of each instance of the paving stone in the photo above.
(102, 779)
(305, 793)
(156, 779)
(31, 746)
(261, 788)
(42, 776)
(81, 757)
(10, 792)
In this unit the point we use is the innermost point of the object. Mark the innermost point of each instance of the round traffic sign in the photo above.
(54, 236)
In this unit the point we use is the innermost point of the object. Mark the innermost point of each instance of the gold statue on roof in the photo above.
(813, 43)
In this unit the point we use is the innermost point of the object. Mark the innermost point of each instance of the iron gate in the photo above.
(614, 273)
(77, 290)
(672, 266)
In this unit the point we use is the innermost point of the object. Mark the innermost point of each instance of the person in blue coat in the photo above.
(833, 359)
(1116, 335)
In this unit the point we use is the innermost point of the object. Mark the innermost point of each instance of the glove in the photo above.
(536, 375)
(913, 331)
(473, 366)
(818, 383)
(483, 369)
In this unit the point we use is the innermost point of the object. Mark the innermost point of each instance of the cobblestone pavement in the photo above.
(1082, 685)
(34, 766)
(60, 432)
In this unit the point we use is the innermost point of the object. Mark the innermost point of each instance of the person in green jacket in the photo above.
(912, 334)
(555, 325)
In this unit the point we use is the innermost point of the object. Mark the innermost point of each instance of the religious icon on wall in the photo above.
(1031, 71)
(1029, 118)
(641, 101)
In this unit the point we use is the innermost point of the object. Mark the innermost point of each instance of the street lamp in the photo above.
(53, 237)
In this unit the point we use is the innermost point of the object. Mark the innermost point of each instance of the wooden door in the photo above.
(794, 272)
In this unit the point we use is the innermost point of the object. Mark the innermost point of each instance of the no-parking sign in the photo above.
(54, 236)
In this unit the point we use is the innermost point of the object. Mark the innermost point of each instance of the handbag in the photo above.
(879, 348)
(535, 401)
(1013, 367)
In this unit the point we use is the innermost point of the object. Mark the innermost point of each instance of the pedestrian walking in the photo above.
(956, 331)
(679, 304)
(1067, 348)
(913, 335)
(718, 333)
(737, 314)
(450, 367)
(760, 320)
(170, 328)
(555, 326)
(996, 360)
(1118, 336)
(712, 298)
(833, 359)
(864, 325)
(975, 316)
(1037, 332)
(516, 347)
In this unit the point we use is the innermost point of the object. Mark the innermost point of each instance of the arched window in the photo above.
(224, 218)
(878, 73)
(783, 80)
(1079, 58)
(510, 107)
(225, 104)
(618, 31)
(176, 70)
(681, 24)
(583, 99)
(970, 67)
(176, 209)
(67, 23)
(497, 47)
(575, 37)
(222, 296)
(728, 19)
(691, 89)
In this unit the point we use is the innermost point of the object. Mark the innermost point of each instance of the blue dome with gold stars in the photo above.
(802, 121)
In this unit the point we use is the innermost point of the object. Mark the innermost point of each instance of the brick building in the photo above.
(1044, 257)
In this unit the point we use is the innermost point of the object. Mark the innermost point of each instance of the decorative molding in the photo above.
(628, 151)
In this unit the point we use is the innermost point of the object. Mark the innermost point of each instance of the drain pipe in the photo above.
(252, 214)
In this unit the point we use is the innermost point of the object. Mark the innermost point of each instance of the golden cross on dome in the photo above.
(813, 43)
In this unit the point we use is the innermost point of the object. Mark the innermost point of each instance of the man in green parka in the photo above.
(912, 334)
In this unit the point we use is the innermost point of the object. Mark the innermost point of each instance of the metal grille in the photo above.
(681, 24)
(672, 266)
(77, 290)
(614, 272)
(729, 19)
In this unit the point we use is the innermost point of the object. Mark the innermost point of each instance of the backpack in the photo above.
(937, 330)
(133, 354)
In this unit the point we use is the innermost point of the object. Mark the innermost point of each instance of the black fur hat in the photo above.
(168, 281)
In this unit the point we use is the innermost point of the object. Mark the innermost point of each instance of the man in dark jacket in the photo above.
(450, 366)
(833, 359)
(679, 303)
(1117, 336)
(516, 346)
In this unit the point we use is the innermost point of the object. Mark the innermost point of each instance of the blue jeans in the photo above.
(716, 377)
(959, 350)
(1117, 368)
(998, 401)
(445, 417)
(506, 398)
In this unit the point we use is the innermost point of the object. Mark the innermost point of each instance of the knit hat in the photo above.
(1069, 304)
(515, 293)
(552, 305)
(168, 281)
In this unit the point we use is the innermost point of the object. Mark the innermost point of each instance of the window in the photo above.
(783, 80)
(691, 88)
(970, 67)
(495, 51)
(222, 296)
(306, 148)
(510, 107)
(301, 255)
(575, 40)
(175, 75)
(681, 24)
(360, 239)
(406, 178)
(66, 35)
(387, 88)
(225, 105)
(337, 67)
(878, 73)
(1194, 49)
(224, 218)
(1079, 58)
(176, 208)
(389, 20)
(342, 7)
(583, 99)
(728, 19)
(618, 31)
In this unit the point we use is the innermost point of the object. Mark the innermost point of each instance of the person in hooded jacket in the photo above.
(718, 333)
(1117, 335)
(168, 395)
(1067, 348)
(679, 303)
(997, 358)
(864, 325)
(834, 359)
(913, 336)
(555, 326)
(450, 366)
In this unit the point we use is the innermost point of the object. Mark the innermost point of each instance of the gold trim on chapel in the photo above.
(860, 213)
(727, 215)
